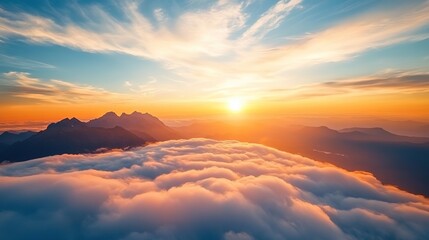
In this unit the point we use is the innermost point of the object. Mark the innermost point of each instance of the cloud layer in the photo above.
(201, 189)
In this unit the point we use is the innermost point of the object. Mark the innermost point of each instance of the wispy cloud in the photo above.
(270, 19)
(386, 83)
(22, 63)
(144, 89)
(343, 41)
(221, 44)
(194, 33)
(32, 90)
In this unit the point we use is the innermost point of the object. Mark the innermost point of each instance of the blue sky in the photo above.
(212, 50)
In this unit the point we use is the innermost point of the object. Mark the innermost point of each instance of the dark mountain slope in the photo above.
(142, 125)
(382, 135)
(69, 136)
(8, 138)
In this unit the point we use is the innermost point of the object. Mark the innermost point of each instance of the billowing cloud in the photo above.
(19, 85)
(201, 189)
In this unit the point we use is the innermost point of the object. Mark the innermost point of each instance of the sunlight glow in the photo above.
(235, 105)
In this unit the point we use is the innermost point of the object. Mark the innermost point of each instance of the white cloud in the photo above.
(194, 34)
(128, 84)
(348, 39)
(201, 189)
(270, 19)
(159, 15)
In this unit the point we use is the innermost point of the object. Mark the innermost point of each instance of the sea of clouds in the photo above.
(201, 189)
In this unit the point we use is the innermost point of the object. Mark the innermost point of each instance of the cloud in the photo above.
(210, 32)
(201, 189)
(10, 61)
(222, 43)
(19, 85)
(159, 15)
(194, 33)
(270, 19)
(345, 40)
(404, 82)
(128, 84)
(385, 83)
(23, 126)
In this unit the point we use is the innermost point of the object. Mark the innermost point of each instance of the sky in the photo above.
(190, 58)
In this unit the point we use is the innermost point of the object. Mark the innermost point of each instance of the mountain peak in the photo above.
(6, 133)
(110, 114)
(379, 130)
(136, 114)
(143, 124)
(319, 129)
(375, 131)
(67, 123)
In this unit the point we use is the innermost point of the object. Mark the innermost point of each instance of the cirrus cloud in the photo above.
(28, 89)
(202, 189)
(223, 48)
(398, 82)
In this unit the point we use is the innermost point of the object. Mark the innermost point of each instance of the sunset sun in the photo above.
(235, 105)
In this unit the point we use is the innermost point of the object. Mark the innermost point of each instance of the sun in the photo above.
(235, 105)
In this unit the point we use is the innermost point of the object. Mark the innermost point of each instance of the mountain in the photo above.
(8, 138)
(69, 136)
(383, 135)
(407, 128)
(394, 159)
(142, 125)
(376, 131)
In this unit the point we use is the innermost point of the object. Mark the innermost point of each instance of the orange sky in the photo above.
(279, 57)
(386, 106)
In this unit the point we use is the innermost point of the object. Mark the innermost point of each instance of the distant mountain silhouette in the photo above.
(73, 136)
(67, 123)
(69, 136)
(142, 125)
(398, 160)
(371, 131)
(382, 135)
(8, 138)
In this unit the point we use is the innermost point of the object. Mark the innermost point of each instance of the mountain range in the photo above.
(394, 159)
(8, 138)
(143, 125)
(71, 136)
(397, 160)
